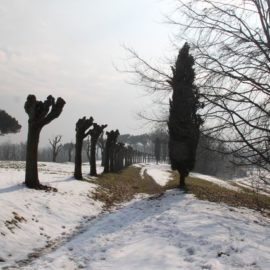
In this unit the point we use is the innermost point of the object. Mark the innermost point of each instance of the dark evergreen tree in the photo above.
(40, 114)
(82, 131)
(184, 121)
(94, 133)
(8, 124)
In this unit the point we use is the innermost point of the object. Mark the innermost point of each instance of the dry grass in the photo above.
(118, 187)
(205, 190)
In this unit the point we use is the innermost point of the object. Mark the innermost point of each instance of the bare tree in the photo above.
(56, 146)
(95, 134)
(40, 113)
(230, 42)
(109, 150)
(231, 46)
(87, 148)
(102, 144)
(82, 131)
(157, 150)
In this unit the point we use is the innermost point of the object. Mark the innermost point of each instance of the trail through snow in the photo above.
(174, 231)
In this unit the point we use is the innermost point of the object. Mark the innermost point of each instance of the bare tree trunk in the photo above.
(40, 114)
(31, 170)
(82, 131)
(106, 160)
(102, 158)
(78, 158)
(69, 155)
(111, 157)
(93, 170)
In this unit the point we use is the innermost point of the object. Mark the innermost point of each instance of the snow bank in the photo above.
(255, 182)
(31, 219)
(226, 184)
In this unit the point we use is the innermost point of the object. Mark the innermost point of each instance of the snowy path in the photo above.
(161, 173)
(175, 231)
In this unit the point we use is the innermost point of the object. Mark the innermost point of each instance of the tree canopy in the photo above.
(8, 124)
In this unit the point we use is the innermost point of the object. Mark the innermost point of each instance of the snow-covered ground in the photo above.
(254, 182)
(161, 173)
(174, 231)
(223, 183)
(31, 219)
(171, 231)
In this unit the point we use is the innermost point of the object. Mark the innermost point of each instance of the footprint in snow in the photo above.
(190, 251)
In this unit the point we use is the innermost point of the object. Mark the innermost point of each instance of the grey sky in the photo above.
(66, 48)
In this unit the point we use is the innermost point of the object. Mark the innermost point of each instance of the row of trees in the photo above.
(116, 155)
(207, 161)
(154, 146)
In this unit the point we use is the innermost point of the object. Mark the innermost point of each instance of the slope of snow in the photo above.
(174, 231)
(255, 182)
(220, 182)
(31, 219)
(161, 173)
(167, 232)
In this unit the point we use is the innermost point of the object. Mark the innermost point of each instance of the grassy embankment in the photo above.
(118, 187)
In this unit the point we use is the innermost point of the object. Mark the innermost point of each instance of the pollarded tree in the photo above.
(184, 122)
(8, 124)
(94, 133)
(102, 144)
(109, 149)
(40, 113)
(112, 151)
(56, 146)
(82, 131)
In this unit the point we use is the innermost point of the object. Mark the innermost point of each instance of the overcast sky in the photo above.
(68, 48)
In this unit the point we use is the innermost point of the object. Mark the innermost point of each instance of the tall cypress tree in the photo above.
(184, 121)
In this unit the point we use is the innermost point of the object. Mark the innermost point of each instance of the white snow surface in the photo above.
(161, 173)
(171, 231)
(174, 231)
(47, 216)
(257, 180)
(223, 183)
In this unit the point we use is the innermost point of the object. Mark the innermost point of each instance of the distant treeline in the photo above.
(210, 157)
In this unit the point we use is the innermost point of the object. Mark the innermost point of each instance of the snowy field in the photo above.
(33, 219)
(254, 182)
(172, 231)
